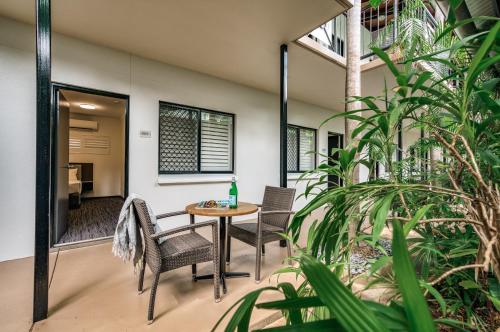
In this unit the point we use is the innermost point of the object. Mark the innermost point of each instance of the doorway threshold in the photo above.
(81, 244)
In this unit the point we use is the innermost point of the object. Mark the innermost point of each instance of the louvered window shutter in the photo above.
(306, 151)
(194, 140)
(301, 146)
(216, 142)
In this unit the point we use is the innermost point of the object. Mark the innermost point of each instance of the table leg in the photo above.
(222, 259)
(227, 275)
(222, 252)
(193, 267)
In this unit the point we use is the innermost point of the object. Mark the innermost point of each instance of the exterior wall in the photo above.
(146, 81)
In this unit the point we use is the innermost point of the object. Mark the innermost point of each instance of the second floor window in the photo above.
(301, 147)
(194, 140)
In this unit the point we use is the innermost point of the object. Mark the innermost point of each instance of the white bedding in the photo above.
(74, 186)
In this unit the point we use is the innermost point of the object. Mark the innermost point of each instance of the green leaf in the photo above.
(245, 309)
(375, 3)
(472, 73)
(381, 216)
(439, 298)
(416, 218)
(393, 316)
(422, 78)
(494, 287)
(383, 125)
(469, 284)
(418, 313)
(241, 317)
(394, 116)
(328, 325)
(291, 293)
(384, 57)
(495, 301)
(350, 311)
(380, 263)
(455, 253)
(457, 325)
(298, 303)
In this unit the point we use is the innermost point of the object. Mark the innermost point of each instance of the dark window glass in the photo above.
(194, 140)
(301, 147)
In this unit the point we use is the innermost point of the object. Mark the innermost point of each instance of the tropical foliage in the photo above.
(440, 198)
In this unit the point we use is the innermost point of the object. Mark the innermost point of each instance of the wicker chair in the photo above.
(175, 251)
(272, 219)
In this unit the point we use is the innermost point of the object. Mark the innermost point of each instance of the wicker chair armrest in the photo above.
(183, 229)
(267, 213)
(171, 214)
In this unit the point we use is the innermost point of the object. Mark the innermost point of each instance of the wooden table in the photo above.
(222, 213)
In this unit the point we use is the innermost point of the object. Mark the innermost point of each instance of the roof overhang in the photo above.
(234, 40)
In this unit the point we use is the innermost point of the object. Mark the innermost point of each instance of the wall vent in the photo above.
(90, 145)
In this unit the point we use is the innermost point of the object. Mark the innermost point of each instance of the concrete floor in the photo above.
(91, 290)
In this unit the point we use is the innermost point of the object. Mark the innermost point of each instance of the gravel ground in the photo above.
(364, 254)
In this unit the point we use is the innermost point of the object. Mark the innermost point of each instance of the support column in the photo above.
(283, 119)
(42, 208)
(283, 113)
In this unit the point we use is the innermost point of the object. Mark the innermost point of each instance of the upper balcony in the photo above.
(381, 27)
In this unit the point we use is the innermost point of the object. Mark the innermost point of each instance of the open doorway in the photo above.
(90, 154)
(335, 141)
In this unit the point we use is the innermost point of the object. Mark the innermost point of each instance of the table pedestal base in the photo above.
(223, 277)
(222, 246)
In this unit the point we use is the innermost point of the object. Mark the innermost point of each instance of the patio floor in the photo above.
(91, 290)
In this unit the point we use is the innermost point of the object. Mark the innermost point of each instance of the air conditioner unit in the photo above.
(83, 124)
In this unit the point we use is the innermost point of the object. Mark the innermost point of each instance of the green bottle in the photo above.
(233, 195)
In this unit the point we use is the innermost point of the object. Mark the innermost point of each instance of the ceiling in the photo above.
(237, 40)
(105, 106)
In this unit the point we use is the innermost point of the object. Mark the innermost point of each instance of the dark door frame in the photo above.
(56, 86)
(341, 146)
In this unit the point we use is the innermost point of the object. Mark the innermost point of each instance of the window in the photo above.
(194, 140)
(301, 147)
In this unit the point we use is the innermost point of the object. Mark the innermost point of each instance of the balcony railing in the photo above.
(332, 35)
(379, 26)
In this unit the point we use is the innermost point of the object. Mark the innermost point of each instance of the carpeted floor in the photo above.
(96, 217)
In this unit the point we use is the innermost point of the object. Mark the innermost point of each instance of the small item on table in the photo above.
(213, 204)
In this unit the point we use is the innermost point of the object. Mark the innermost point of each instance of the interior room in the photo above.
(91, 149)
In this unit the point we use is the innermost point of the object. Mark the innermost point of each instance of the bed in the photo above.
(74, 184)
(74, 187)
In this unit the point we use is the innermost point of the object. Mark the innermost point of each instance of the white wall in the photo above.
(146, 81)
(17, 147)
(108, 168)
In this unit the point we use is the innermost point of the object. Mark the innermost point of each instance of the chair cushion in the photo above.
(185, 249)
(247, 232)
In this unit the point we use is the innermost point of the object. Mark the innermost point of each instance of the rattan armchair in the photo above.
(272, 219)
(176, 251)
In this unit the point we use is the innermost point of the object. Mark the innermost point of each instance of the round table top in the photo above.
(242, 209)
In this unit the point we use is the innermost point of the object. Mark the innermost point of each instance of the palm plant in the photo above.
(453, 205)
(345, 311)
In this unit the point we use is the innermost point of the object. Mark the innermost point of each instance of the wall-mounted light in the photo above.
(87, 106)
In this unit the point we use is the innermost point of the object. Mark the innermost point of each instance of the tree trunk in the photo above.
(353, 81)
